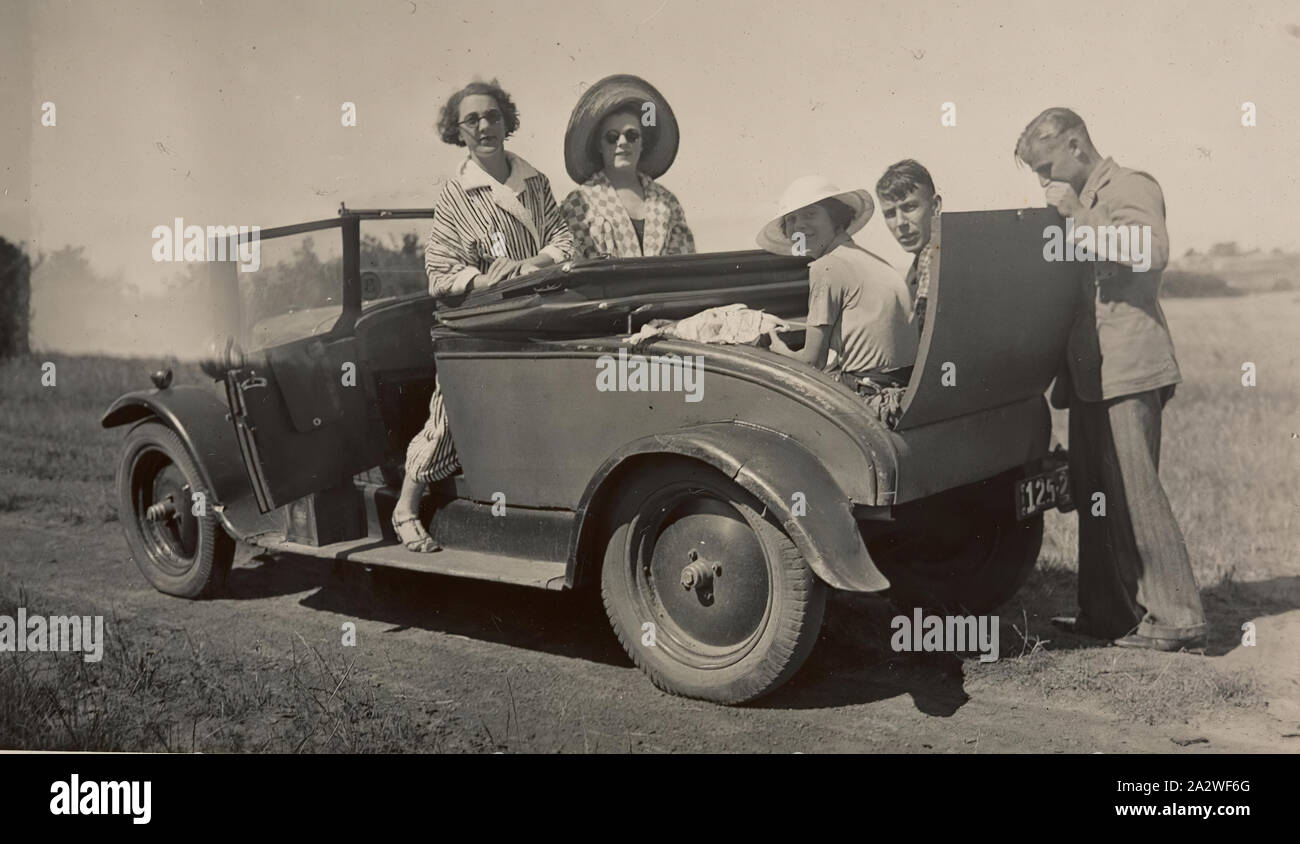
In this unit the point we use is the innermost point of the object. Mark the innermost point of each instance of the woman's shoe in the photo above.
(414, 537)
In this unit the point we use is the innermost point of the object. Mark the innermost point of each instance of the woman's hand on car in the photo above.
(499, 270)
(536, 263)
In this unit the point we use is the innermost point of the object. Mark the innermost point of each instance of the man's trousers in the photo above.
(1134, 572)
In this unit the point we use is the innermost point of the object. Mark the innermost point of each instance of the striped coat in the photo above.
(477, 219)
(601, 224)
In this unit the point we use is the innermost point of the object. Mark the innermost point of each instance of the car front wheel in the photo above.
(174, 535)
(707, 596)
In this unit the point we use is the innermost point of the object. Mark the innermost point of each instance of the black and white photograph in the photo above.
(847, 377)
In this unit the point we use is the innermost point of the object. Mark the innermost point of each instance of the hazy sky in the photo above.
(228, 112)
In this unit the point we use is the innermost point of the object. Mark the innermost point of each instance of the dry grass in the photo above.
(165, 690)
(1046, 664)
(56, 463)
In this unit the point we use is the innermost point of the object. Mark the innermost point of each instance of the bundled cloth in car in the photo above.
(729, 324)
(882, 392)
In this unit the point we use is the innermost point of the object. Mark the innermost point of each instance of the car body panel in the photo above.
(541, 452)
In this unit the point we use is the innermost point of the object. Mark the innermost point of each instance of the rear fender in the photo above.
(789, 481)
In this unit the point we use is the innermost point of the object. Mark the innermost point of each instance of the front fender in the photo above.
(199, 418)
(774, 468)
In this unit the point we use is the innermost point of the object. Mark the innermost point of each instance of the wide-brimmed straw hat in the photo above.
(806, 191)
(598, 102)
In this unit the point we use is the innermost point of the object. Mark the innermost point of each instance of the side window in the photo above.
(392, 259)
(296, 290)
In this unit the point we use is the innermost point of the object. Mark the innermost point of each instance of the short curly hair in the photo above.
(449, 117)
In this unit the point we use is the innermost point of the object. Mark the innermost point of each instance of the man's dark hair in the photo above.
(902, 178)
(449, 117)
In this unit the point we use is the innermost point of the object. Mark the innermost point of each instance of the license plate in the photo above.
(1043, 492)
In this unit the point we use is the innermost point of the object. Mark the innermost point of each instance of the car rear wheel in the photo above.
(966, 553)
(159, 489)
(709, 598)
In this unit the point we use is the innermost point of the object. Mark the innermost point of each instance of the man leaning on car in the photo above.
(1135, 579)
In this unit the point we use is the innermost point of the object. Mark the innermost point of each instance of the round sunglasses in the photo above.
(632, 135)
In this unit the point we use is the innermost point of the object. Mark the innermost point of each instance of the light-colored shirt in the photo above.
(866, 307)
(1120, 343)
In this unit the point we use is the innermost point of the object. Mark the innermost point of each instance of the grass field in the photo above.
(1230, 461)
(1230, 457)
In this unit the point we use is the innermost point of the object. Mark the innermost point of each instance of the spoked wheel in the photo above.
(709, 598)
(966, 554)
(158, 486)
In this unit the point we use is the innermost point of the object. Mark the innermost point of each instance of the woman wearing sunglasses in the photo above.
(496, 219)
(622, 135)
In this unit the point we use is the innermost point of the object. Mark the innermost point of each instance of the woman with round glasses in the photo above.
(496, 219)
(622, 135)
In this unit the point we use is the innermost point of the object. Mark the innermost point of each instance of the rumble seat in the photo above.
(998, 317)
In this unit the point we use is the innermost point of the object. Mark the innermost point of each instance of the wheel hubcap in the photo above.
(161, 495)
(702, 577)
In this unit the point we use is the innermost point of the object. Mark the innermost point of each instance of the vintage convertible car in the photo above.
(712, 527)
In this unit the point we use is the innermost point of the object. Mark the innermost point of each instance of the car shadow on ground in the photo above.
(571, 624)
(853, 662)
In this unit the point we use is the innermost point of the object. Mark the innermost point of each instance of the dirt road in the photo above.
(506, 668)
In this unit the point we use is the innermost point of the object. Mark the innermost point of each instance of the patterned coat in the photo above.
(478, 219)
(601, 225)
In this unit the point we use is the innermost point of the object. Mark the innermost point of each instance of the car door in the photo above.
(303, 420)
(301, 406)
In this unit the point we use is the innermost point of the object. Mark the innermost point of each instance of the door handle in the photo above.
(251, 383)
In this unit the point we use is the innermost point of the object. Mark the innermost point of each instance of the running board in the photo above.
(539, 574)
